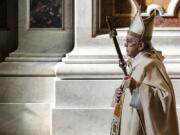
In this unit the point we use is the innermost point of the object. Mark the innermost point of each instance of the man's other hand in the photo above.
(118, 93)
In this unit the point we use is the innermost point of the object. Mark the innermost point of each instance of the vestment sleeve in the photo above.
(155, 89)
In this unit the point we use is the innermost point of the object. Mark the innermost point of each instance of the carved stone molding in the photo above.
(170, 11)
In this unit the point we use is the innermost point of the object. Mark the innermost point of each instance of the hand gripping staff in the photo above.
(116, 122)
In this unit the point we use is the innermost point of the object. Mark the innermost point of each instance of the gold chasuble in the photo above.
(156, 97)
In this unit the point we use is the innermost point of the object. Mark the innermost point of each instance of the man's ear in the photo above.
(141, 46)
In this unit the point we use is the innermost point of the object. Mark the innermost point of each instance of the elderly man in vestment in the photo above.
(149, 106)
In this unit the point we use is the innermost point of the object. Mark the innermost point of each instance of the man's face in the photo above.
(132, 45)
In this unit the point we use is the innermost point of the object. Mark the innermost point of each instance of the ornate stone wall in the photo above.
(122, 13)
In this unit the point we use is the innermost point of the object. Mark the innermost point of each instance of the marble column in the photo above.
(27, 75)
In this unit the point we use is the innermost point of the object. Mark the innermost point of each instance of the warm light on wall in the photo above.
(164, 3)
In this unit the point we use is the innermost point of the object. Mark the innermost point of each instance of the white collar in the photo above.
(137, 59)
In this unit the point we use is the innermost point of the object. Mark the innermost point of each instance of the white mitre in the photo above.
(142, 28)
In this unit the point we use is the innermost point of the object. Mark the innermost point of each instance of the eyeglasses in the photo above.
(130, 43)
